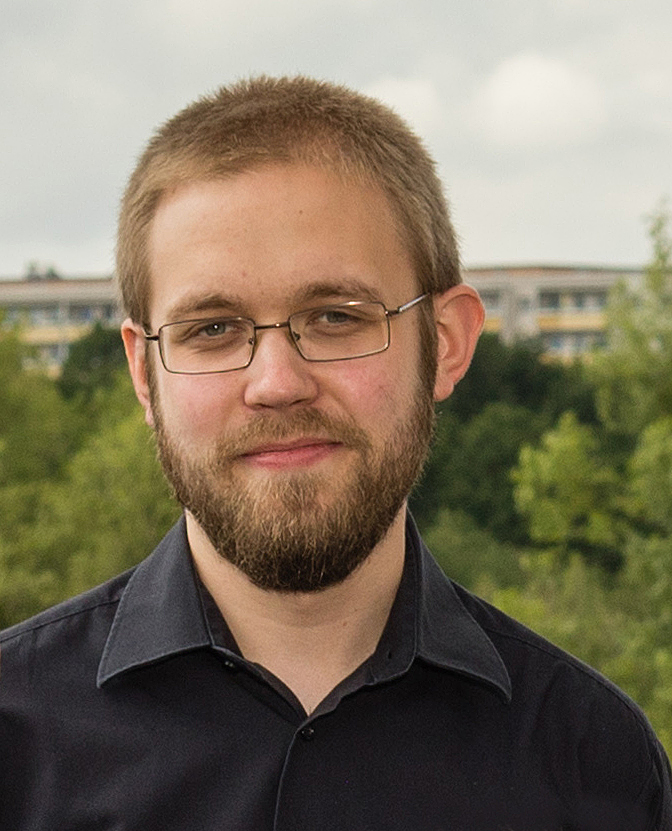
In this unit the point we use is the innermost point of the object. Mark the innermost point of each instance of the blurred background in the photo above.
(549, 491)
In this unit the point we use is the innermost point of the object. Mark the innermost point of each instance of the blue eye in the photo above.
(215, 327)
(336, 316)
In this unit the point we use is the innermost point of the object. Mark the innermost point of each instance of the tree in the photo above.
(470, 470)
(92, 363)
(518, 375)
(650, 478)
(468, 554)
(634, 375)
(508, 397)
(109, 509)
(569, 493)
(38, 430)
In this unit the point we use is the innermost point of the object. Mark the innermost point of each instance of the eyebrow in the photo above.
(332, 289)
(212, 301)
(320, 291)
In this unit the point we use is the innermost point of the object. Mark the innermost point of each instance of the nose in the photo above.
(278, 376)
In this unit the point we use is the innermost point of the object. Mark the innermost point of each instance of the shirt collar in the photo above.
(160, 611)
(447, 635)
(161, 614)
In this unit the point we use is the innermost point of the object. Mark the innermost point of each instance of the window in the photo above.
(549, 300)
(554, 342)
(81, 314)
(491, 300)
(43, 315)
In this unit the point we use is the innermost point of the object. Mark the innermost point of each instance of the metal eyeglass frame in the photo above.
(286, 324)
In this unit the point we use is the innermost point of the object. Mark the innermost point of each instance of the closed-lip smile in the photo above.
(290, 453)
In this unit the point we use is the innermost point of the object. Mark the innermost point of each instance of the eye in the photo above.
(216, 328)
(335, 317)
(222, 330)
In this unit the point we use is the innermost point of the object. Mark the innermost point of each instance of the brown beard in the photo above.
(296, 532)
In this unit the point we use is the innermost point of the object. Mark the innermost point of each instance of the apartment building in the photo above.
(563, 306)
(53, 311)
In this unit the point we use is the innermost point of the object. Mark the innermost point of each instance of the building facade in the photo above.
(52, 312)
(562, 306)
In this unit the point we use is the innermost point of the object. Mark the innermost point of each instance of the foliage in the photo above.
(633, 376)
(620, 625)
(568, 492)
(517, 375)
(650, 477)
(92, 363)
(37, 428)
(70, 525)
(469, 554)
(508, 398)
(607, 487)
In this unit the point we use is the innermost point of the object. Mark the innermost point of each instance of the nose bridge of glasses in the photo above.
(292, 335)
(258, 327)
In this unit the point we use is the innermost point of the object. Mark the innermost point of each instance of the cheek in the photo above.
(194, 407)
(377, 390)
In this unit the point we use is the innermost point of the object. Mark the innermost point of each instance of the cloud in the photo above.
(533, 102)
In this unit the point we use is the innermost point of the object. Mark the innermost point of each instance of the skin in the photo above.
(263, 244)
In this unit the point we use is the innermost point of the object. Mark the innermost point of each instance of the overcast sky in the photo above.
(551, 120)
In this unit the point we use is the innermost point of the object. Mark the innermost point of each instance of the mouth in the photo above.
(298, 452)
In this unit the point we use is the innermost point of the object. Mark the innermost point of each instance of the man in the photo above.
(290, 656)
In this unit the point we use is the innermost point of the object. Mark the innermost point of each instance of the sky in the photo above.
(550, 120)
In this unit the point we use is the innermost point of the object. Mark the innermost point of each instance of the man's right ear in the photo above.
(135, 346)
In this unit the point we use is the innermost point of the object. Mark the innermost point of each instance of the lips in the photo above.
(296, 452)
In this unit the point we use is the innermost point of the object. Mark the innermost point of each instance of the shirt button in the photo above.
(307, 733)
(228, 664)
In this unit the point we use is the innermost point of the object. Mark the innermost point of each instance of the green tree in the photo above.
(620, 625)
(92, 363)
(634, 375)
(475, 473)
(469, 555)
(110, 509)
(38, 430)
(650, 478)
(518, 375)
(569, 493)
(508, 398)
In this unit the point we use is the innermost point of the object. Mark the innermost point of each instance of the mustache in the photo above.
(266, 429)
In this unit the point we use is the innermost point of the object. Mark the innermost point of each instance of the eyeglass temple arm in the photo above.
(406, 306)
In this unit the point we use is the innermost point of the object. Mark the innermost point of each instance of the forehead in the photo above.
(272, 236)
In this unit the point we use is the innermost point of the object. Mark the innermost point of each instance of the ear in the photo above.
(459, 317)
(134, 344)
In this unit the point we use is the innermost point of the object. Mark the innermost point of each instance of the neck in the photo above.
(313, 641)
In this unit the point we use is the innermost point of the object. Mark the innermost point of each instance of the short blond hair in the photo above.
(288, 120)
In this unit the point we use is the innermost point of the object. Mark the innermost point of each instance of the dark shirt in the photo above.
(130, 708)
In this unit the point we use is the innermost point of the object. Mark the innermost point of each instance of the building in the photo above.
(52, 311)
(563, 306)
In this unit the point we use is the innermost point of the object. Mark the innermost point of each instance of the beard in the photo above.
(299, 531)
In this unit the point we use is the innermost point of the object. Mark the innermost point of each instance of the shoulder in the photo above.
(77, 625)
(561, 702)
(536, 664)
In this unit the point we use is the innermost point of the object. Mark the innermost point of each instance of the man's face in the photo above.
(295, 470)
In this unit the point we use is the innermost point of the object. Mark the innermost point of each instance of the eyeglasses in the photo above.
(328, 333)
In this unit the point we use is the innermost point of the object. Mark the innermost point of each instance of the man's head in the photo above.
(289, 120)
(294, 468)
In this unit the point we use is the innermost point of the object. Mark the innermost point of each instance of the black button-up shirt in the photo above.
(130, 708)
